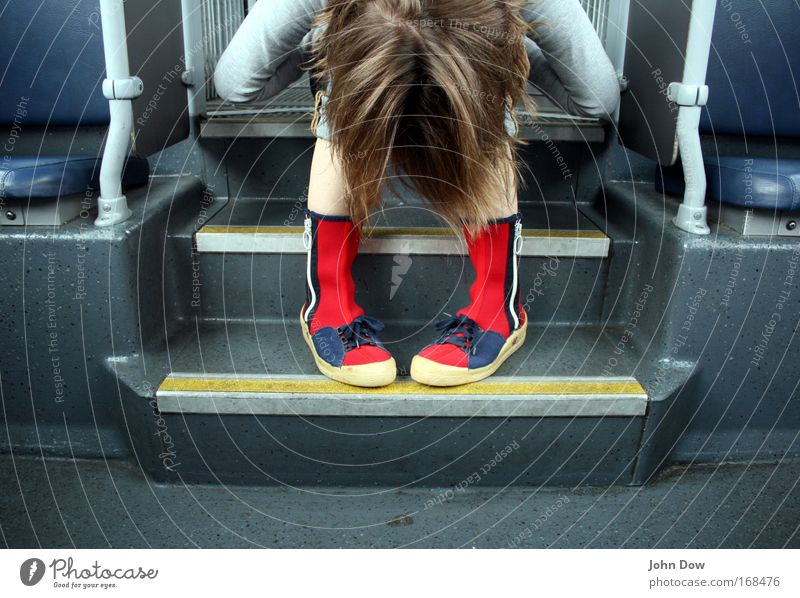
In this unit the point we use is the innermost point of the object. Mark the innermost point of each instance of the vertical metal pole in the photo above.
(112, 204)
(692, 213)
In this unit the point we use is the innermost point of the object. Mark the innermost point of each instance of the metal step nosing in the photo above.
(313, 395)
(252, 240)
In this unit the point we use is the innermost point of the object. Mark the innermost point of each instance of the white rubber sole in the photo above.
(426, 371)
(369, 375)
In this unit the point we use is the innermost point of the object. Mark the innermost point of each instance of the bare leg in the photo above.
(326, 183)
(326, 186)
(507, 205)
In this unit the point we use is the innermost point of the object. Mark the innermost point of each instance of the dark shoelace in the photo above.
(360, 332)
(458, 331)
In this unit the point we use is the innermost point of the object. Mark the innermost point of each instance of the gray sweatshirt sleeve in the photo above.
(568, 61)
(266, 52)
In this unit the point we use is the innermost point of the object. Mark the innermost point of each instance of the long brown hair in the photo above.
(422, 87)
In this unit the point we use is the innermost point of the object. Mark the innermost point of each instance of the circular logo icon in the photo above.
(31, 572)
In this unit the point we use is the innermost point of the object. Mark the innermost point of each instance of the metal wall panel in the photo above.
(157, 56)
(657, 35)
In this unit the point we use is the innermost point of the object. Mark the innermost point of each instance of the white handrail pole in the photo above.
(691, 95)
(119, 88)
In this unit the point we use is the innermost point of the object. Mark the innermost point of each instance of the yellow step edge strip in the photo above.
(559, 387)
(389, 231)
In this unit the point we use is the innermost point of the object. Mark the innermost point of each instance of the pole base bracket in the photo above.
(692, 219)
(112, 211)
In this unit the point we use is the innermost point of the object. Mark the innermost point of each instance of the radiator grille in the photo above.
(598, 14)
(221, 18)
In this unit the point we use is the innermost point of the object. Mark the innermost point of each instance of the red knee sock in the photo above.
(330, 290)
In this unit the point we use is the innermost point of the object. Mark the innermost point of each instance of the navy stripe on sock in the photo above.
(509, 280)
(328, 217)
(314, 274)
(508, 219)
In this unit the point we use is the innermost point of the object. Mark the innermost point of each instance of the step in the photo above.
(500, 396)
(562, 278)
(242, 402)
(396, 240)
(556, 230)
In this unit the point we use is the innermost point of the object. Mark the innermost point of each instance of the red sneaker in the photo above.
(476, 341)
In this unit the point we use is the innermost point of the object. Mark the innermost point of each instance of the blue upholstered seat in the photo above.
(753, 62)
(41, 177)
(54, 83)
(757, 183)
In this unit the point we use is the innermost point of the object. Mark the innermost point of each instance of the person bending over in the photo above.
(427, 89)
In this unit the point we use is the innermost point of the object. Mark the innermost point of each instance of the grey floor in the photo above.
(87, 504)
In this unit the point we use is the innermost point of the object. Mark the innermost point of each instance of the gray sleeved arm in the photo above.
(266, 52)
(568, 61)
